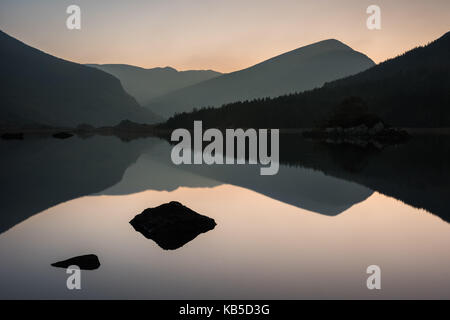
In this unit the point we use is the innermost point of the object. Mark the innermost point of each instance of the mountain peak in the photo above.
(316, 48)
(325, 45)
(298, 70)
(333, 43)
(168, 68)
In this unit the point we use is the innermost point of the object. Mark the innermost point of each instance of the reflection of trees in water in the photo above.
(351, 158)
(37, 174)
(417, 172)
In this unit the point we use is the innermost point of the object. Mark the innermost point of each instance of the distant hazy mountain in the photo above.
(146, 84)
(295, 71)
(411, 90)
(40, 88)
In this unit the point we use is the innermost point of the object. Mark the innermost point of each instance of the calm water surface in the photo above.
(300, 234)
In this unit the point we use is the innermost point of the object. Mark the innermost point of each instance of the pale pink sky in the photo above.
(221, 35)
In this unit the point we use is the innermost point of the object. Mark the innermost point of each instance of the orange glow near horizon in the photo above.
(223, 36)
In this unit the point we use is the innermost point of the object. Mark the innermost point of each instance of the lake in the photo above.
(308, 232)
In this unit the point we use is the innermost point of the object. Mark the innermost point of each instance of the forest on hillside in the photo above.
(411, 90)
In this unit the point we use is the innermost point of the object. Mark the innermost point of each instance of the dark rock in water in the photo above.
(12, 136)
(171, 225)
(62, 135)
(86, 262)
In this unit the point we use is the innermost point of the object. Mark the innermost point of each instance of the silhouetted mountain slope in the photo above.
(40, 88)
(295, 71)
(411, 90)
(146, 84)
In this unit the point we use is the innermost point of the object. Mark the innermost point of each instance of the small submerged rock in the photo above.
(171, 225)
(85, 262)
(62, 135)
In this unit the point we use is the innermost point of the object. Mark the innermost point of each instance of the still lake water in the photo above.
(309, 232)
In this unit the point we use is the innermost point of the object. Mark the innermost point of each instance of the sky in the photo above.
(222, 35)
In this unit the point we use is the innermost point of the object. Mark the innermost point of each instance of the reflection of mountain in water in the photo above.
(39, 173)
(416, 173)
(154, 170)
(304, 188)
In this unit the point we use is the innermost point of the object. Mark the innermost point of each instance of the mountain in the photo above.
(38, 88)
(416, 173)
(411, 90)
(295, 71)
(146, 84)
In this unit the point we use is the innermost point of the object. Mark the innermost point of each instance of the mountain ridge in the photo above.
(146, 84)
(410, 90)
(298, 70)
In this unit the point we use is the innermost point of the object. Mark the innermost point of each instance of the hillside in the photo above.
(146, 84)
(411, 90)
(38, 88)
(295, 71)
